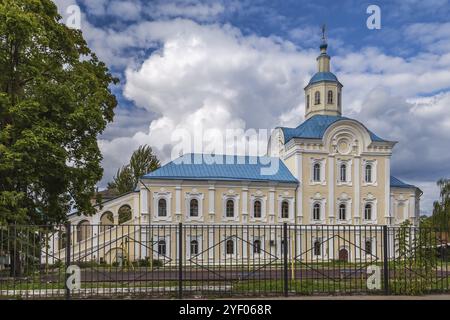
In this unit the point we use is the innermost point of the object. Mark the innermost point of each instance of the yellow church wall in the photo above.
(365, 193)
(324, 107)
(404, 206)
(213, 211)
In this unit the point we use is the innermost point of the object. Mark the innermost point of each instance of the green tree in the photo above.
(123, 181)
(415, 258)
(55, 99)
(142, 161)
(441, 208)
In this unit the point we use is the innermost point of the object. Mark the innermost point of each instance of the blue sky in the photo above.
(243, 64)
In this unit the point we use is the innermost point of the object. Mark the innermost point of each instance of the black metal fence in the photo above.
(187, 260)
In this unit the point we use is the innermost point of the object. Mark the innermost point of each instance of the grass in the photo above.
(398, 285)
(302, 287)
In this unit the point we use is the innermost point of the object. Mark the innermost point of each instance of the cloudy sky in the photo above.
(243, 64)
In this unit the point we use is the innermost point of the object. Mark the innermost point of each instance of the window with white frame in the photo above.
(343, 173)
(317, 247)
(316, 212)
(229, 208)
(368, 214)
(369, 172)
(194, 205)
(284, 209)
(193, 208)
(343, 212)
(317, 97)
(230, 205)
(343, 208)
(194, 244)
(330, 97)
(194, 247)
(257, 246)
(229, 247)
(316, 172)
(257, 209)
(162, 207)
(162, 247)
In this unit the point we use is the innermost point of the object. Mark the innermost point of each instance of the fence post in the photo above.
(285, 256)
(180, 261)
(385, 260)
(68, 258)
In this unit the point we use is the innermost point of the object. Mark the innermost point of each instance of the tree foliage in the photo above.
(416, 258)
(54, 101)
(123, 181)
(142, 161)
(441, 208)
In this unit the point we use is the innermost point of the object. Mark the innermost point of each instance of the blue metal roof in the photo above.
(224, 167)
(315, 127)
(397, 183)
(323, 76)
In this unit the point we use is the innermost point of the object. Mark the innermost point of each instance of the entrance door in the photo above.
(343, 255)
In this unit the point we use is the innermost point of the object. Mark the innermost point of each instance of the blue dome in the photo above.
(323, 76)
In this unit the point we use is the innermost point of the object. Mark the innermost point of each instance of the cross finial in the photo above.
(324, 27)
(323, 45)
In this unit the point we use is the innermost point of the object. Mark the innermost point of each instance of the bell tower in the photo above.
(323, 94)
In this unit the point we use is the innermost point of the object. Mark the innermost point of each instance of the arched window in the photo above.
(193, 208)
(106, 221)
(317, 97)
(83, 230)
(162, 247)
(330, 97)
(194, 247)
(307, 102)
(162, 208)
(257, 209)
(257, 246)
(343, 173)
(368, 246)
(230, 209)
(316, 211)
(230, 246)
(317, 248)
(368, 173)
(368, 212)
(339, 99)
(284, 210)
(316, 172)
(342, 211)
(124, 214)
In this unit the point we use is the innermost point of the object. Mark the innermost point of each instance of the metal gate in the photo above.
(190, 260)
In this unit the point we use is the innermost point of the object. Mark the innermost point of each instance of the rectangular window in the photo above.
(316, 172)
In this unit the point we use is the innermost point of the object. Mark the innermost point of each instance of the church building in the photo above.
(331, 171)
